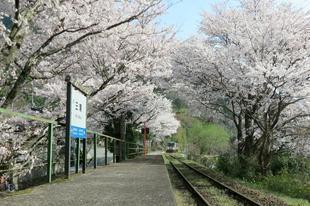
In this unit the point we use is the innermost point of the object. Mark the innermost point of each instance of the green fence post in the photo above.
(114, 151)
(95, 150)
(126, 150)
(77, 155)
(49, 152)
(105, 150)
(120, 151)
(84, 156)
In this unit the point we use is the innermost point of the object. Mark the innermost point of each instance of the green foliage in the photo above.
(232, 165)
(289, 174)
(209, 138)
(292, 163)
(294, 185)
(209, 161)
(228, 164)
(178, 104)
(202, 138)
(132, 134)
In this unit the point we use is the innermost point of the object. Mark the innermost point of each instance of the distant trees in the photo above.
(252, 66)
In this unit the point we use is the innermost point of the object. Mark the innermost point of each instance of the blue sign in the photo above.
(78, 114)
(77, 132)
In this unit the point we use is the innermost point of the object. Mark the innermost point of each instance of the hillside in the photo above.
(203, 138)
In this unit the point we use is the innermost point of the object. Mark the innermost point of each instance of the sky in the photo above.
(185, 15)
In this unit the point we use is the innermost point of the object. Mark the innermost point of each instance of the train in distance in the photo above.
(172, 147)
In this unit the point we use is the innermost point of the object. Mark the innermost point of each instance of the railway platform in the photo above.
(138, 182)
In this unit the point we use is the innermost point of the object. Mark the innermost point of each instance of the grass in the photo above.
(292, 201)
(289, 200)
(221, 198)
(214, 195)
(181, 195)
(258, 186)
(183, 199)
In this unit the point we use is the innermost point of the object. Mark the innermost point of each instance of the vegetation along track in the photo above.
(207, 190)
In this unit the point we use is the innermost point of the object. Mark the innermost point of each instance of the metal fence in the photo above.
(96, 150)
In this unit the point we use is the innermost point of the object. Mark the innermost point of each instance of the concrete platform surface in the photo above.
(131, 183)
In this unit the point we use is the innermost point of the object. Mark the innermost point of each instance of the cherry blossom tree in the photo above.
(44, 30)
(252, 66)
(112, 49)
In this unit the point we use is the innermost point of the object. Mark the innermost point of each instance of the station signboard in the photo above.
(78, 113)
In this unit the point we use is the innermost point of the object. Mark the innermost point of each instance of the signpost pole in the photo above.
(67, 139)
(95, 150)
(77, 154)
(84, 156)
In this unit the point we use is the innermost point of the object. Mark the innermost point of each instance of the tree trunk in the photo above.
(122, 137)
(239, 136)
(19, 83)
(264, 157)
(249, 139)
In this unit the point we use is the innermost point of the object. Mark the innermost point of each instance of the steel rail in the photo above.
(237, 195)
(198, 196)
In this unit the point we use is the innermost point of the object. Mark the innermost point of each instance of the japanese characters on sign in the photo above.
(78, 114)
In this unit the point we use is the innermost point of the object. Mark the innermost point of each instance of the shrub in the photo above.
(229, 164)
(290, 175)
(289, 184)
(238, 166)
(292, 163)
(209, 161)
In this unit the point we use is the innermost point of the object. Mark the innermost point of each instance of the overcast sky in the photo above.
(185, 16)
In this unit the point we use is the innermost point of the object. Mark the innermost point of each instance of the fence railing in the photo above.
(95, 147)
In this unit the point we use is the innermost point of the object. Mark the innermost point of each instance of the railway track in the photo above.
(192, 177)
